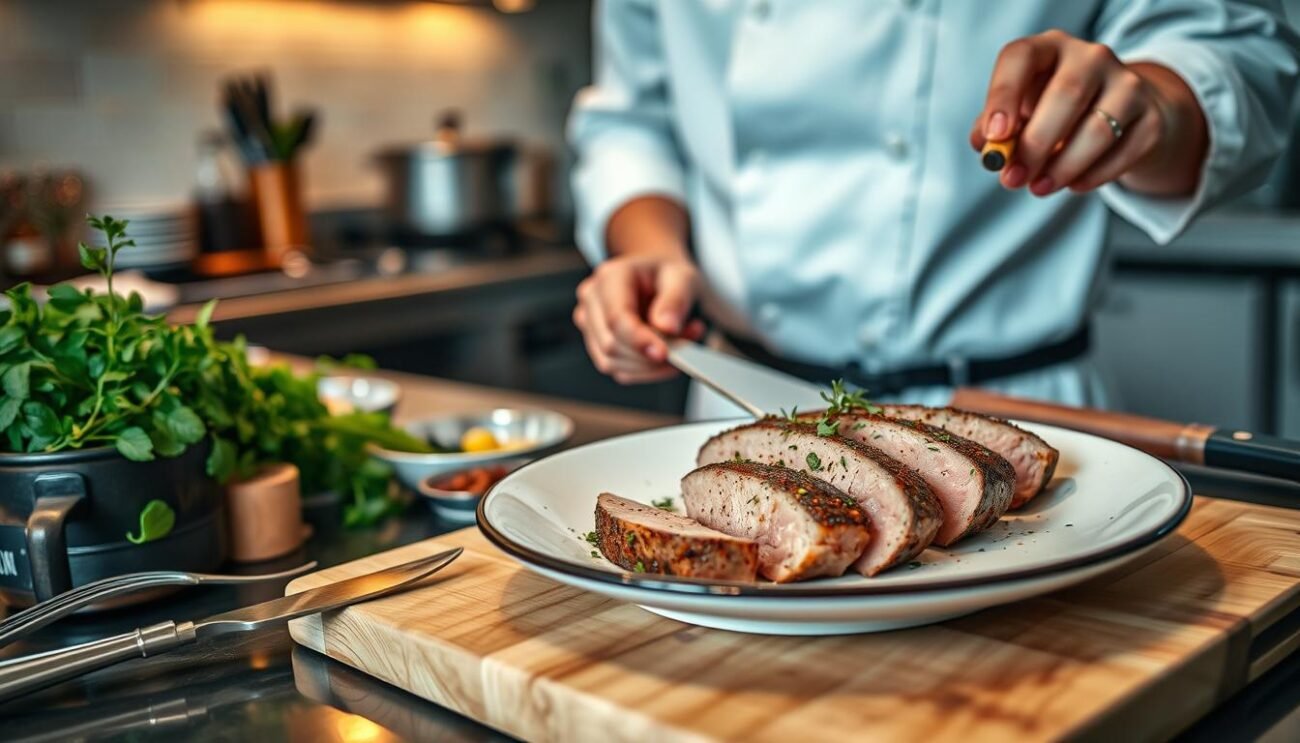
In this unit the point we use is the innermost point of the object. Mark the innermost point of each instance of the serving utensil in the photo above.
(24, 675)
(35, 617)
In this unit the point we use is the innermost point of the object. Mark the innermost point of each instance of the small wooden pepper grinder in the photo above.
(264, 513)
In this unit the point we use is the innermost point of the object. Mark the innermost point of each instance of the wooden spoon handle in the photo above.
(1182, 442)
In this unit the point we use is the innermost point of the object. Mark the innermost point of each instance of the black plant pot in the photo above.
(64, 518)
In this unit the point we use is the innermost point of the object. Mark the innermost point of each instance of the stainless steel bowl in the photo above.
(525, 433)
(458, 506)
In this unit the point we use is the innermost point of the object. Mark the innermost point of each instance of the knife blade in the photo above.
(29, 673)
(756, 388)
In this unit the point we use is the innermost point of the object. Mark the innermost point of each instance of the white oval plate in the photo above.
(1106, 504)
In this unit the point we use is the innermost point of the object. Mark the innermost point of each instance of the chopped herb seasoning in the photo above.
(875, 436)
(814, 461)
(827, 429)
(792, 447)
(664, 504)
(932, 448)
(639, 567)
(591, 537)
(844, 463)
(780, 463)
(753, 500)
(631, 537)
(594, 553)
(859, 426)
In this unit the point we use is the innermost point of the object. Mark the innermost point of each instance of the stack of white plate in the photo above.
(165, 234)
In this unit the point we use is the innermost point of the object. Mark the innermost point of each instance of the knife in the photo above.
(1193, 443)
(756, 388)
(762, 391)
(27, 674)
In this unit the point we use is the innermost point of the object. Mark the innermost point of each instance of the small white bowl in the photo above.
(344, 393)
(541, 429)
(459, 506)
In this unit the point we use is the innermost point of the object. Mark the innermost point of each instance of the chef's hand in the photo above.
(641, 294)
(1048, 89)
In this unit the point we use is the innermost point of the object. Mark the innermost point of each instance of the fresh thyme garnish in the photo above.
(664, 504)
(591, 537)
(814, 461)
(840, 401)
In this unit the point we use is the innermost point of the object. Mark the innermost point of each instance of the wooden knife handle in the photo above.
(1182, 442)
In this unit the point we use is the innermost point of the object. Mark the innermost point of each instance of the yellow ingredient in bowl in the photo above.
(479, 440)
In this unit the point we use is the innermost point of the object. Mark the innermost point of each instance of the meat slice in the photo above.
(646, 539)
(973, 484)
(1032, 458)
(903, 514)
(804, 527)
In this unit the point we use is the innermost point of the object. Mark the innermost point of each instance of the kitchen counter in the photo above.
(1223, 239)
(262, 687)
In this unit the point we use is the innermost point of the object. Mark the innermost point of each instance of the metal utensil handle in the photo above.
(27, 621)
(28, 674)
(33, 618)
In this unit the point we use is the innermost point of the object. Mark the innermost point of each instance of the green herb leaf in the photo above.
(591, 537)
(9, 408)
(639, 567)
(221, 462)
(156, 522)
(135, 444)
(204, 316)
(10, 337)
(814, 461)
(17, 381)
(825, 428)
(664, 504)
(185, 425)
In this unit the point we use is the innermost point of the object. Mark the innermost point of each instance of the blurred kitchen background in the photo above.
(389, 177)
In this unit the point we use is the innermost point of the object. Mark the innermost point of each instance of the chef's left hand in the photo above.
(1048, 89)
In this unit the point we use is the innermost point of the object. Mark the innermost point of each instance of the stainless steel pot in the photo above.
(449, 185)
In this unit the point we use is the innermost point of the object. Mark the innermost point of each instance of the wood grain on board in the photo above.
(1140, 652)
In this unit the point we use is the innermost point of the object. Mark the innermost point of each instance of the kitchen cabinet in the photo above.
(1187, 346)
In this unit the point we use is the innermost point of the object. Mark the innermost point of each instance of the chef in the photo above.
(808, 175)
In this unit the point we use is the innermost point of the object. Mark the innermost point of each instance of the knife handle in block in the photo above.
(1182, 442)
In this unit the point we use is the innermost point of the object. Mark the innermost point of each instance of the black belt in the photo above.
(956, 373)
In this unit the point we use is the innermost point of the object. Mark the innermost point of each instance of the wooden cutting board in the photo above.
(1138, 653)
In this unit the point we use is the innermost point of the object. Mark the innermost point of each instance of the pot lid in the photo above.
(449, 141)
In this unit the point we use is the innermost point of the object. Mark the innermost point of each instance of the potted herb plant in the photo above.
(118, 428)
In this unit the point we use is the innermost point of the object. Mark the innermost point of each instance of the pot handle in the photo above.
(56, 494)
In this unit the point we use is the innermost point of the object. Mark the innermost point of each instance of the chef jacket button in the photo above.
(769, 313)
(761, 9)
(897, 145)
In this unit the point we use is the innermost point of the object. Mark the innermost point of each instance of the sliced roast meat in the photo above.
(646, 539)
(804, 527)
(973, 484)
(903, 514)
(1032, 458)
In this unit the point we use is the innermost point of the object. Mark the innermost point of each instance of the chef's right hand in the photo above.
(629, 304)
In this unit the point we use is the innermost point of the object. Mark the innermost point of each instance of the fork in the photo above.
(34, 617)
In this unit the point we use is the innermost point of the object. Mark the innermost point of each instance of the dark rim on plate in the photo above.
(720, 589)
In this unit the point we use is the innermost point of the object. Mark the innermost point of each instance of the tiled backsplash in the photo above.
(121, 90)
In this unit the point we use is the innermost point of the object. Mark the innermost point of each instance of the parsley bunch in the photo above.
(92, 369)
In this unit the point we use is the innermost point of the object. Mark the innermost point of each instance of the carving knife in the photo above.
(30, 673)
(762, 391)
